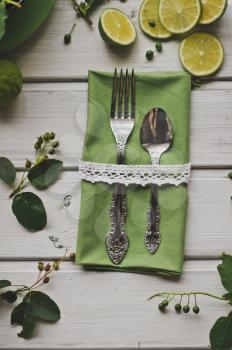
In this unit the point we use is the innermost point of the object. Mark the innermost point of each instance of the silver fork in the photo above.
(122, 123)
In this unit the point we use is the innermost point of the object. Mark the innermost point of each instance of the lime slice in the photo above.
(116, 28)
(212, 10)
(149, 20)
(201, 54)
(179, 16)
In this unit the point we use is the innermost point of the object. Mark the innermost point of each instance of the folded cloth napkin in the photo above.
(170, 91)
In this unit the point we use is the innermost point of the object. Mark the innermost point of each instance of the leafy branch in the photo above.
(41, 173)
(221, 332)
(35, 305)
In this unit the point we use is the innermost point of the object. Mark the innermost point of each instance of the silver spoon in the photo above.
(156, 135)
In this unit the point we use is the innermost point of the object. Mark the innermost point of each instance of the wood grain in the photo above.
(109, 310)
(63, 108)
(44, 56)
(208, 226)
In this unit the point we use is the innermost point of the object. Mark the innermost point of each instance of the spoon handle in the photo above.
(152, 236)
(116, 240)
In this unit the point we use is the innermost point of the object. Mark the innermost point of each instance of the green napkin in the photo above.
(171, 91)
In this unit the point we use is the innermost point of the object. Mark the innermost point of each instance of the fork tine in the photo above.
(120, 95)
(132, 94)
(114, 93)
(126, 98)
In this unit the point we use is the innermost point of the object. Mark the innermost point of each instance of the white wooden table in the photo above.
(107, 309)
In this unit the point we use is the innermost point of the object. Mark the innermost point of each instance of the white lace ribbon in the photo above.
(135, 174)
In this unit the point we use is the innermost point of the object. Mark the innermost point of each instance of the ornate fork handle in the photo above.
(152, 236)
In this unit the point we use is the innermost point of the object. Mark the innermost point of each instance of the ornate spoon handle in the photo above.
(116, 240)
(152, 236)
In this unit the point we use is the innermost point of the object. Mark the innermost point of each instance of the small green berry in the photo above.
(28, 164)
(52, 151)
(186, 309)
(67, 39)
(178, 308)
(165, 303)
(149, 55)
(161, 307)
(9, 296)
(55, 144)
(196, 309)
(55, 265)
(40, 140)
(230, 175)
(37, 145)
(152, 23)
(46, 136)
(40, 266)
(158, 46)
(52, 135)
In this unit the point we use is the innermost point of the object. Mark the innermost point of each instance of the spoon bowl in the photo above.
(156, 133)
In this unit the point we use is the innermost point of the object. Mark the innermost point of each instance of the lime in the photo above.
(212, 10)
(116, 28)
(201, 54)
(179, 16)
(149, 20)
(10, 82)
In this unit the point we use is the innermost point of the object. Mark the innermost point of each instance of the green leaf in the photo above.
(221, 334)
(10, 296)
(36, 306)
(44, 308)
(4, 283)
(29, 211)
(23, 314)
(45, 173)
(7, 170)
(225, 271)
(3, 16)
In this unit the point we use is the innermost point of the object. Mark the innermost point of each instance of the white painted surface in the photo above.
(107, 309)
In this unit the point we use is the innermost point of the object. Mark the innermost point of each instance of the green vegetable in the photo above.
(11, 82)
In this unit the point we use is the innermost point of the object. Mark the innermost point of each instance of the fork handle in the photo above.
(152, 236)
(116, 240)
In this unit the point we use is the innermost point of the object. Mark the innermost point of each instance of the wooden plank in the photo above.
(208, 226)
(62, 108)
(44, 56)
(109, 310)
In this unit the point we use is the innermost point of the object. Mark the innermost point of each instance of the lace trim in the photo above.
(135, 174)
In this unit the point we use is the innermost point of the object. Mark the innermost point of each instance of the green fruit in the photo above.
(196, 309)
(161, 307)
(10, 82)
(9, 296)
(165, 303)
(186, 309)
(178, 308)
(116, 28)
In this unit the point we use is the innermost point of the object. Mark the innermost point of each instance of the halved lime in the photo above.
(116, 28)
(212, 10)
(179, 16)
(149, 20)
(201, 54)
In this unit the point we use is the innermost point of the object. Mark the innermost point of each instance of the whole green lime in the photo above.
(11, 82)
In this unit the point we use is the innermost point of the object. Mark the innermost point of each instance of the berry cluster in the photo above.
(158, 48)
(178, 307)
(46, 142)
